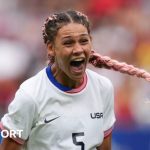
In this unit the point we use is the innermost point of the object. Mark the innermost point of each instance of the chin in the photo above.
(78, 77)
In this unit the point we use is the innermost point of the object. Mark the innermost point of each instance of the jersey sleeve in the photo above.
(22, 113)
(109, 115)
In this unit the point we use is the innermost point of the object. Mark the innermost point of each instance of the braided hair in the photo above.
(54, 22)
(58, 20)
(100, 61)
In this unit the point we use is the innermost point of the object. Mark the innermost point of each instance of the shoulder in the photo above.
(34, 80)
(29, 90)
(96, 78)
(33, 85)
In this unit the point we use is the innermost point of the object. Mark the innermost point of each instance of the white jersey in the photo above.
(53, 119)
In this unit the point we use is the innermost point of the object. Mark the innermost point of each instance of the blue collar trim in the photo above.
(55, 82)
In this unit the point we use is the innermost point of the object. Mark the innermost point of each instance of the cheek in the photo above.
(63, 52)
(88, 50)
(61, 59)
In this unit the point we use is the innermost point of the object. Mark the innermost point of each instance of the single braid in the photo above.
(106, 62)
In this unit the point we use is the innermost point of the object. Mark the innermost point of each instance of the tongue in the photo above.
(77, 68)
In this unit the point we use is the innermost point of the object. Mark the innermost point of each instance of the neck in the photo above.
(63, 79)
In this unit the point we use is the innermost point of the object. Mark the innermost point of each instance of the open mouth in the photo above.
(77, 65)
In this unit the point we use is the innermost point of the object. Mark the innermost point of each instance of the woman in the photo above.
(65, 106)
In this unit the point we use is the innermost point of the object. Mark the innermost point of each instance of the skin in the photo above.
(72, 41)
(9, 144)
(106, 145)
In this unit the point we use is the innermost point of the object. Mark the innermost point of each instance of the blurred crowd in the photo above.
(120, 29)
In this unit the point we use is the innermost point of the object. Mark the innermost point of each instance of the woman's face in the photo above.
(71, 48)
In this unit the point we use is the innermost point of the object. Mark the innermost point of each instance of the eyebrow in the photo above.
(68, 36)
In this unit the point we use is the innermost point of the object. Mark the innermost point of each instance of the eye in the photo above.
(84, 41)
(68, 43)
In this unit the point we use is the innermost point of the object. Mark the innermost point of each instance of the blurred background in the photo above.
(120, 29)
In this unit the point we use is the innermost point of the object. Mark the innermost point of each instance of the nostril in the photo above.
(77, 48)
(78, 51)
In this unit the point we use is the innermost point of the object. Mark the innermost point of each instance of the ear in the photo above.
(50, 50)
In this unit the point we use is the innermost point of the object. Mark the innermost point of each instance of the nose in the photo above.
(78, 49)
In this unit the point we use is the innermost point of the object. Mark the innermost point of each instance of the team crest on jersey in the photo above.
(96, 115)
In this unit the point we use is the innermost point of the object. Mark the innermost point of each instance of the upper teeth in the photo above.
(78, 59)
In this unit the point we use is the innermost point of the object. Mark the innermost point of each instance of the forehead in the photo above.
(72, 30)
